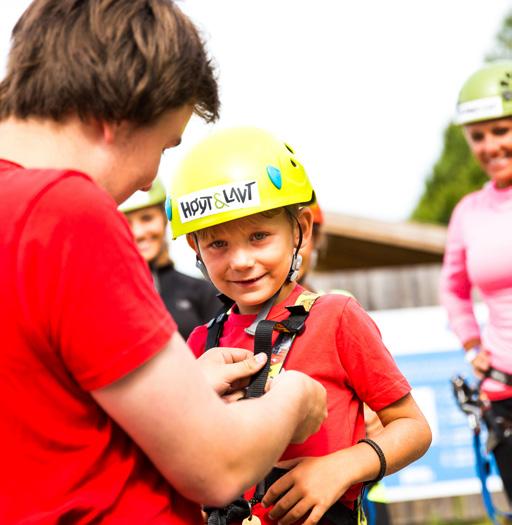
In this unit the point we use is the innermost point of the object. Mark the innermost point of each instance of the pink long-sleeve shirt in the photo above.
(479, 254)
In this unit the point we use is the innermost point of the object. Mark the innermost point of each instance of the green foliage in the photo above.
(456, 173)
(503, 47)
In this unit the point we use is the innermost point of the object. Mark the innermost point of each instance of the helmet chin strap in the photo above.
(296, 258)
(292, 276)
(199, 262)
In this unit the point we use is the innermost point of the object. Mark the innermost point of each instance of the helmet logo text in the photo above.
(218, 199)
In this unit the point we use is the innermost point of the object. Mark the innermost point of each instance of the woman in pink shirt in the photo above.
(479, 248)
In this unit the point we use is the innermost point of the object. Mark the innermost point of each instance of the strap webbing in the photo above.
(499, 375)
(288, 330)
(216, 324)
(262, 343)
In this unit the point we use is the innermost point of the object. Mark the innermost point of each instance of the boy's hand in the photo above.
(311, 487)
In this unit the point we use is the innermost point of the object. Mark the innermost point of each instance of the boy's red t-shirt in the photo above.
(78, 312)
(342, 348)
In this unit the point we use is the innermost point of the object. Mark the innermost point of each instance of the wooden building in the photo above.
(384, 264)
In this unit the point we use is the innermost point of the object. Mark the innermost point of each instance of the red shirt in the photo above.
(78, 312)
(342, 348)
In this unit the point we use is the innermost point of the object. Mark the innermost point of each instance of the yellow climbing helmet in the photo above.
(232, 174)
(143, 199)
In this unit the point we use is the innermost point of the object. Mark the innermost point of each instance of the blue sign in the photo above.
(429, 355)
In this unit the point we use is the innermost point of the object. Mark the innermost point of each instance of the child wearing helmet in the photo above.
(241, 198)
(190, 301)
(479, 249)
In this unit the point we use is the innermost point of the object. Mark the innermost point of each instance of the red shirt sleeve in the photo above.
(85, 290)
(371, 369)
(197, 340)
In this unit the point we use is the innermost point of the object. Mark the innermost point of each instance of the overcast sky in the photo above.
(361, 89)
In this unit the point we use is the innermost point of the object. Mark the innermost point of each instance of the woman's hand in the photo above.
(481, 363)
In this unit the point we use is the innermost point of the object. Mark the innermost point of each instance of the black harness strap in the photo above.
(499, 375)
(216, 324)
(288, 329)
(262, 343)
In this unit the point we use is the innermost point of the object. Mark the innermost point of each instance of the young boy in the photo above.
(239, 197)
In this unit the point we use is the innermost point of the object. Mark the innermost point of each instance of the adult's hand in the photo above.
(481, 363)
(314, 405)
(228, 370)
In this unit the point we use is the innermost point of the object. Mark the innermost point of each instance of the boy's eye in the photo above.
(217, 244)
(259, 236)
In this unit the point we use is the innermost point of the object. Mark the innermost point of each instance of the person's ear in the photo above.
(305, 219)
(192, 242)
(113, 132)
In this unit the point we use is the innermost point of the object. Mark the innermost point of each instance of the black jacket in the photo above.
(190, 301)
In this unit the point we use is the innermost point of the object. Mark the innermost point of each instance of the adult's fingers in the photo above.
(245, 368)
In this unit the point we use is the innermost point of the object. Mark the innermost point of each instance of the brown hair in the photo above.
(113, 60)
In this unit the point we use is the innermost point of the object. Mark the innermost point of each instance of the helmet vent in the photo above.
(289, 148)
(293, 163)
(274, 175)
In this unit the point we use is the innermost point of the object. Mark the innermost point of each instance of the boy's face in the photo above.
(249, 259)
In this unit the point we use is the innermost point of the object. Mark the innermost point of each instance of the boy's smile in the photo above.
(249, 259)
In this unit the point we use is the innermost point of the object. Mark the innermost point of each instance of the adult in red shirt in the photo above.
(105, 415)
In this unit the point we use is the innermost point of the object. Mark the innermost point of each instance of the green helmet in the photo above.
(143, 199)
(487, 94)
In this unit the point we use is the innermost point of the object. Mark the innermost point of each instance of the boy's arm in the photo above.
(315, 484)
(208, 450)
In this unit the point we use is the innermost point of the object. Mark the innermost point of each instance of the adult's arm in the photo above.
(455, 285)
(209, 450)
(96, 309)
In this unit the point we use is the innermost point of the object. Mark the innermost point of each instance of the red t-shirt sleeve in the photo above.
(371, 369)
(85, 290)
(197, 340)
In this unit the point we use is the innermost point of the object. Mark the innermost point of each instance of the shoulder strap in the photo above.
(216, 324)
(288, 329)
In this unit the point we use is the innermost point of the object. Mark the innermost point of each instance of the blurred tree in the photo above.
(503, 47)
(456, 173)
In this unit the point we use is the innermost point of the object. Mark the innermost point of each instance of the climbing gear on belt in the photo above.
(241, 509)
(476, 409)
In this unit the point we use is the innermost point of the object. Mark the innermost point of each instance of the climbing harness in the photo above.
(477, 410)
(276, 354)
(287, 329)
(499, 375)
